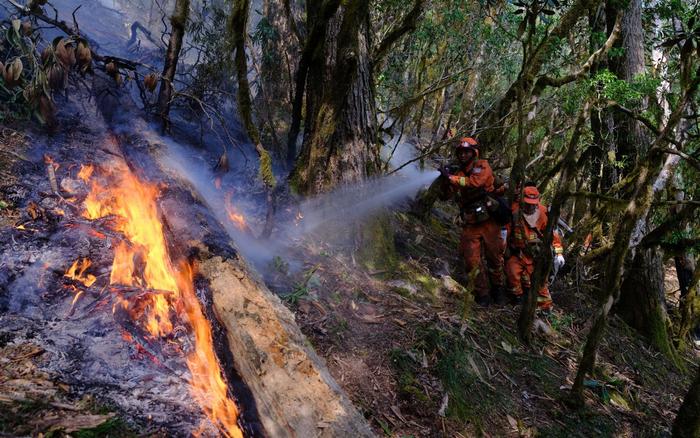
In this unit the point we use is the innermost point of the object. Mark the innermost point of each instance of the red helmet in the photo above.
(468, 143)
(531, 195)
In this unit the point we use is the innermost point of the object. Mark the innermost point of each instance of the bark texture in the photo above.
(294, 392)
(642, 301)
(339, 137)
(687, 424)
(178, 22)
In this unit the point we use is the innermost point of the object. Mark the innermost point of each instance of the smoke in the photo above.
(326, 214)
(353, 203)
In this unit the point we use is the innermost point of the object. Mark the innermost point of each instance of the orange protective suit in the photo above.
(520, 264)
(480, 233)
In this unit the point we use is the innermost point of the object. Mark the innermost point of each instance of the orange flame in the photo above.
(80, 267)
(233, 214)
(144, 262)
(85, 172)
(96, 234)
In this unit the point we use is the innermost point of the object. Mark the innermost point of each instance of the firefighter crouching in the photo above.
(525, 232)
(472, 182)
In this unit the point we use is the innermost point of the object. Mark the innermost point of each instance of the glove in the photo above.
(443, 172)
(558, 262)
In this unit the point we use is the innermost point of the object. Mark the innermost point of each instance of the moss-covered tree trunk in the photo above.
(339, 145)
(544, 262)
(237, 30)
(645, 175)
(687, 424)
(319, 14)
(690, 308)
(642, 301)
(178, 22)
(339, 138)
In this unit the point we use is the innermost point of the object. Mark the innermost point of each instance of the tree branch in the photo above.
(445, 81)
(645, 121)
(598, 196)
(408, 24)
(545, 81)
(655, 236)
(689, 158)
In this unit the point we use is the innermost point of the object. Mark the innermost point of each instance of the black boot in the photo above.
(516, 300)
(498, 295)
(483, 300)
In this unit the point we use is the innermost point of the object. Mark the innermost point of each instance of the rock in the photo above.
(72, 186)
(48, 203)
(451, 286)
(403, 287)
(542, 327)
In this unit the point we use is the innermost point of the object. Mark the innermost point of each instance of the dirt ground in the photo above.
(420, 359)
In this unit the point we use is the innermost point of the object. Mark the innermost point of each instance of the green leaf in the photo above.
(616, 399)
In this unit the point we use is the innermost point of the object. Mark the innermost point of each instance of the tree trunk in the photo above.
(630, 138)
(645, 173)
(178, 22)
(279, 53)
(279, 60)
(339, 138)
(544, 262)
(687, 424)
(319, 14)
(690, 308)
(642, 303)
(238, 29)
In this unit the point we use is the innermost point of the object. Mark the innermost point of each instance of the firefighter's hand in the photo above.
(558, 262)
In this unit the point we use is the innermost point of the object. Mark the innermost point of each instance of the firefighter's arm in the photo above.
(556, 243)
(479, 177)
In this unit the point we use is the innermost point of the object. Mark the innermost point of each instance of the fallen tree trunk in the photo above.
(294, 391)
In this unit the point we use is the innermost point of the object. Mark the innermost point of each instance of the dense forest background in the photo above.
(596, 101)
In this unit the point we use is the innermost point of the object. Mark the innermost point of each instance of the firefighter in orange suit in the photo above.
(524, 235)
(472, 183)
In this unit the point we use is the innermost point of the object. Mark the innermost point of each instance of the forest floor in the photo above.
(420, 359)
(34, 402)
(408, 345)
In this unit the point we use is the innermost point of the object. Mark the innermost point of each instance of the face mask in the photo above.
(531, 219)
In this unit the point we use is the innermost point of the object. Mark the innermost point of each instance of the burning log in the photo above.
(294, 391)
(194, 320)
